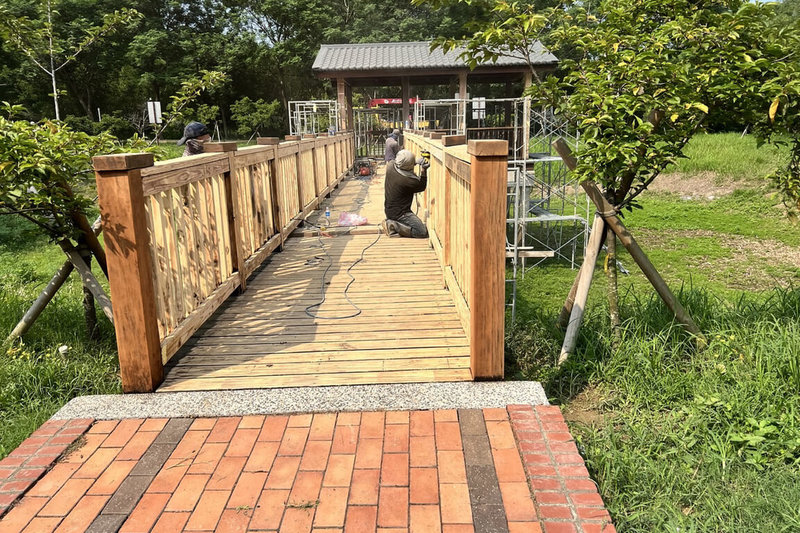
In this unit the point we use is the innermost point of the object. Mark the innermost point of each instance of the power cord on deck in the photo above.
(325, 275)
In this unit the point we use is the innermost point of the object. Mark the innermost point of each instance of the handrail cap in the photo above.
(129, 161)
(487, 148)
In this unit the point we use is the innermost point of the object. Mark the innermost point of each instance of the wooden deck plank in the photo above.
(408, 329)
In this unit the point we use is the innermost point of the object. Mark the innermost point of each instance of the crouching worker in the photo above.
(400, 186)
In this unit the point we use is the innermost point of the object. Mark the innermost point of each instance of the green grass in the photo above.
(729, 156)
(680, 439)
(35, 379)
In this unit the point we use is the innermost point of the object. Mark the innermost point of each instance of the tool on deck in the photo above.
(426, 155)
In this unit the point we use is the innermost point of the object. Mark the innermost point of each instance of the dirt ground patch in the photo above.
(586, 408)
(752, 264)
(699, 186)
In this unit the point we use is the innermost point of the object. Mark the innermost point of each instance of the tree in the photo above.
(644, 77)
(37, 39)
(255, 116)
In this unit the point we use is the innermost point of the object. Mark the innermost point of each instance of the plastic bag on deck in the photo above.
(351, 219)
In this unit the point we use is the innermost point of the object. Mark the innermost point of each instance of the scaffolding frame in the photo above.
(313, 116)
(447, 114)
(372, 126)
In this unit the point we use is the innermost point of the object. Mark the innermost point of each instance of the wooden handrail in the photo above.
(181, 236)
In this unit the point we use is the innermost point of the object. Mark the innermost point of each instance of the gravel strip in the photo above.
(466, 395)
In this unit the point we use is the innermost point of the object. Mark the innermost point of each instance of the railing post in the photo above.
(130, 268)
(488, 163)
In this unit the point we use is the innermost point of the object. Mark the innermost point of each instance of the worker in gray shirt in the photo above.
(399, 189)
(392, 146)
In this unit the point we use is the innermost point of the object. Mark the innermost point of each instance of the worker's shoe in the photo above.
(388, 227)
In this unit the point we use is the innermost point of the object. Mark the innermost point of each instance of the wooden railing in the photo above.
(466, 206)
(182, 235)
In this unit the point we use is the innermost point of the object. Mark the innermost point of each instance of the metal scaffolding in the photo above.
(313, 116)
(372, 126)
(548, 213)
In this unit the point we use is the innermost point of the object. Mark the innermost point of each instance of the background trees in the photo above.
(265, 47)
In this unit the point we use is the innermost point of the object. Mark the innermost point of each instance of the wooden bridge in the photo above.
(220, 278)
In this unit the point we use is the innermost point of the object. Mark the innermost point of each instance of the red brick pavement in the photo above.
(348, 472)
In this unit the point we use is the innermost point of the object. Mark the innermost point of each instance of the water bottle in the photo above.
(327, 216)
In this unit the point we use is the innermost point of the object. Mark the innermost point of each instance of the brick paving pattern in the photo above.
(441, 471)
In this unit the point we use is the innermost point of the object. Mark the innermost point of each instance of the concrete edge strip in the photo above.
(488, 513)
(412, 396)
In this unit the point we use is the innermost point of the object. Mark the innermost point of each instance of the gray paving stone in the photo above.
(127, 495)
(153, 459)
(477, 450)
(174, 430)
(483, 486)
(107, 523)
(472, 422)
(489, 519)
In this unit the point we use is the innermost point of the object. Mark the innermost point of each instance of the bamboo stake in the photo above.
(566, 309)
(41, 302)
(582, 292)
(608, 213)
(46, 296)
(88, 279)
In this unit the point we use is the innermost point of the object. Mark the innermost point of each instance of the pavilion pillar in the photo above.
(462, 96)
(406, 94)
(344, 94)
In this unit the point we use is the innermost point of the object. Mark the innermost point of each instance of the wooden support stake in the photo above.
(130, 269)
(582, 292)
(566, 310)
(87, 278)
(46, 296)
(41, 302)
(489, 162)
(608, 213)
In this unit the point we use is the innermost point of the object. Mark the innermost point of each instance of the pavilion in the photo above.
(415, 64)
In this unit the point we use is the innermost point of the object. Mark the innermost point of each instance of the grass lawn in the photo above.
(680, 439)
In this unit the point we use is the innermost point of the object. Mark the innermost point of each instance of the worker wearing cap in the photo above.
(399, 189)
(194, 135)
(392, 146)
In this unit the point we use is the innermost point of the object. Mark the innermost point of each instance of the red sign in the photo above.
(375, 102)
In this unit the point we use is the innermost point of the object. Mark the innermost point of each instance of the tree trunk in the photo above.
(89, 314)
(55, 95)
(611, 277)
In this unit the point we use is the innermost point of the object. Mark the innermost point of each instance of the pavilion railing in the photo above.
(465, 202)
(182, 235)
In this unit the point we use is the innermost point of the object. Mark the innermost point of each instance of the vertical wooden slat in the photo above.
(232, 201)
(213, 231)
(157, 282)
(130, 270)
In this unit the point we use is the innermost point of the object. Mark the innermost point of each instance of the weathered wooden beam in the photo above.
(88, 279)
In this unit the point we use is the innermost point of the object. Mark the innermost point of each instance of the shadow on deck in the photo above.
(395, 324)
